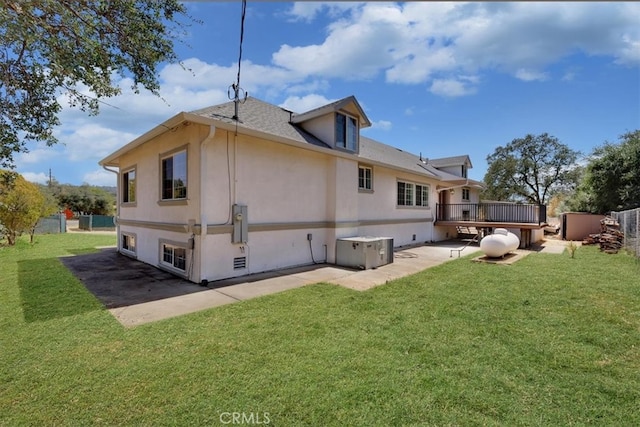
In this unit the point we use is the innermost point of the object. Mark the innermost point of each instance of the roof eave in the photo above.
(178, 119)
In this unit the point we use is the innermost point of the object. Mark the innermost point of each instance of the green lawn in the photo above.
(549, 340)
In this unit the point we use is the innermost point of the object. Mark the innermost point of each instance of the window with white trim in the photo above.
(465, 194)
(464, 171)
(410, 194)
(129, 186)
(422, 195)
(365, 178)
(128, 243)
(174, 176)
(173, 256)
(346, 132)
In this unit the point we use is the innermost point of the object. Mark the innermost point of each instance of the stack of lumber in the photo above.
(610, 237)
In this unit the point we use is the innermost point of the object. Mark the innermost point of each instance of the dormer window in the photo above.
(346, 132)
(464, 171)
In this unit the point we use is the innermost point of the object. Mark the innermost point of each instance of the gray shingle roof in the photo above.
(260, 116)
(386, 154)
(450, 161)
(270, 119)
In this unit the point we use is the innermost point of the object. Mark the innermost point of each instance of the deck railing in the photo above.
(492, 212)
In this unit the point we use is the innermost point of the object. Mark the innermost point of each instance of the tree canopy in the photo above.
(75, 47)
(611, 180)
(85, 199)
(21, 205)
(530, 169)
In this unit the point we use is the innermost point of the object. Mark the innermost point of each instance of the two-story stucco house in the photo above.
(208, 196)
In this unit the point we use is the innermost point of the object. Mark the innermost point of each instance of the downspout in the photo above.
(203, 211)
(117, 204)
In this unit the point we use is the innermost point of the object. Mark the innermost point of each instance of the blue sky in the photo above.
(442, 79)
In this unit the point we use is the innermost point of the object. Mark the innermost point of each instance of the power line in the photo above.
(236, 86)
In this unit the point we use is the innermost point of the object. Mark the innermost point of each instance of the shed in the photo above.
(578, 225)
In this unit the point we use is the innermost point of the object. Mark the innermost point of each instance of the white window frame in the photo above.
(125, 243)
(416, 195)
(174, 262)
(126, 186)
(173, 154)
(422, 195)
(365, 183)
(351, 128)
(466, 192)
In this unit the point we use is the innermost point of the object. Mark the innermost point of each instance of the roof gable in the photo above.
(451, 161)
(348, 104)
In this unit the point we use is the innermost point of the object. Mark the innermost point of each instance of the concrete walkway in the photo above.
(406, 262)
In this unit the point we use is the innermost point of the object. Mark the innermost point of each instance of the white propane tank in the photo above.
(500, 243)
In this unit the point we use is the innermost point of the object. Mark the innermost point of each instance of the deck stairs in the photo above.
(466, 232)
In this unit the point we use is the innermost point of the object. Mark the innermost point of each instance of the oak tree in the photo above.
(611, 180)
(80, 48)
(530, 169)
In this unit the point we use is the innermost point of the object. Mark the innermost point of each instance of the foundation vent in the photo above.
(239, 263)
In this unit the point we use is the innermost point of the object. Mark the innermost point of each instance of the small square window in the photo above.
(365, 178)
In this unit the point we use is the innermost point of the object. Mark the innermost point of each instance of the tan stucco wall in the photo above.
(323, 128)
(289, 192)
(580, 225)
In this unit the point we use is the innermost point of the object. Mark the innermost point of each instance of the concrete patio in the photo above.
(136, 293)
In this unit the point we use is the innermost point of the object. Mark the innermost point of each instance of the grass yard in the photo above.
(549, 340)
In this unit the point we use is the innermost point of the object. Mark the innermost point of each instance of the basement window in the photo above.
(128, 244)
(173, 256)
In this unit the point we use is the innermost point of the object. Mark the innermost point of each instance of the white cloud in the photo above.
(303, 104)
(568, 76)
(36, 155)
(413, 41)
(382, 125)
(531, 75)
(39, 177)
(308, 10)
(451, 87)
(100, 177)
(312, 86)
(93, 141)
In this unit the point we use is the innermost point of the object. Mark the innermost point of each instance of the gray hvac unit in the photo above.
(364, 252)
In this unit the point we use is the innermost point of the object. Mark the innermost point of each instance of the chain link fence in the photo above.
(630, 225)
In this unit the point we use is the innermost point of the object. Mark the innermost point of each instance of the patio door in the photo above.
(443, 202)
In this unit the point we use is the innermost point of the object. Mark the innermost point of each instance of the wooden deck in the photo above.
(485, 224)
